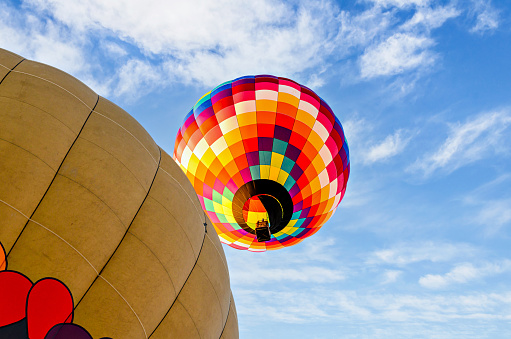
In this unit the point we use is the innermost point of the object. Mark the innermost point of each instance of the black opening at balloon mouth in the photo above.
(275, 198)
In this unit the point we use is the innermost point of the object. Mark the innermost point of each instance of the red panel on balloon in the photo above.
(14, 288)
(49, 303)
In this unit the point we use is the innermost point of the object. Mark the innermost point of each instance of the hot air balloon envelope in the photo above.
(98, 225)
(264, 148)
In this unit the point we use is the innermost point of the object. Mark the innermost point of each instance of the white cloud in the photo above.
(355, 130)
(114, 49)
(493, 214)
(306, 274)
(206, 42)
(490, 205)
(209, 42)
(40, 40)
(405, 254)
(389, 147)
(463, 273)
(487, 17)
(313, 262)
(158, 27)
(315, 81)
(391, 276)
(399, 53)
(467, 143)
(431, 18)
(137, 77)
(408, 48)
(401, 3)
(383, 311)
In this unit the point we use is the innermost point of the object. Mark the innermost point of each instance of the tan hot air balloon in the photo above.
(89, 201)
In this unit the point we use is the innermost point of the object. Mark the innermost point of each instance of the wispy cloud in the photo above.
(429, 18)
(43, 41)
(464, 273)
(258, 275)
(313, 262)
(136, 78)
(400, 3)
(487, 16)
(392, 145)
(391, 276)
(399, 53)
(409, 48)
(493, 214)
(490, 205)
(346, 308)
(356, 130)
(360, 135)
(405, 254)
(468, 142)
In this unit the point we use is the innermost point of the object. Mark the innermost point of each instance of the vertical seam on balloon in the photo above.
(226, 318)
(177, 221)
(113, 253)
(113, 156)
(198, 210)
(184, 284)
(94, 194)
(223, 261)
(214, 290)
(10, 69)
(189, 315)
(127, 303)
(155, 161)
(55, 176)
(149, 248)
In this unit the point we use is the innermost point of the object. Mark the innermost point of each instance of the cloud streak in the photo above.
(463, 273)
(493, 214)
(389, 147)
(406, 254)
(487, 17)
(363, 308)
(467, 142)
(305, 274)
(399, 53)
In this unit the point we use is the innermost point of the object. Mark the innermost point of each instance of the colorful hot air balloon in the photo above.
(262, 149)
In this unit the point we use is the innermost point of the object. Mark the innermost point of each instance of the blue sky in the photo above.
(419, 247)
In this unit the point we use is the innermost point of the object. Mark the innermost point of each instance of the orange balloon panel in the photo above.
(253, 211)
(264, 136)
(3, 261)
